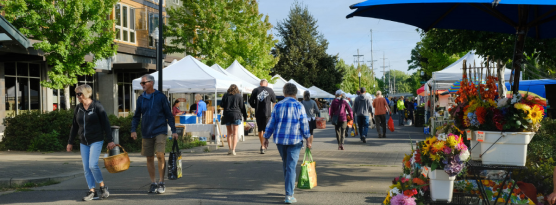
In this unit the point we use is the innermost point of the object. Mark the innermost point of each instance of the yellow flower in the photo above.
(397, 185)
(428, 143)
(438, 146)
(522, 106)
(535, 114)
(406, 158)
(452, 142)
(491, 103)
(434, 157)
(387, 200)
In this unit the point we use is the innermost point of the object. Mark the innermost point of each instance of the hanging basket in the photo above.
(504, 148)
(442, 185)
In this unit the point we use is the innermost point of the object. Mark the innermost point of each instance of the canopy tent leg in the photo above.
(215, 116)
(522, 30)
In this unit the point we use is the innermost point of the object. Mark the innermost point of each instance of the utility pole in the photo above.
(372, 61)
(358, 68)
(384, 69)
(389, 77)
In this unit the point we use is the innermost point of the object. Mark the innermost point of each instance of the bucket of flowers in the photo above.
(410, 187)
(444, 155)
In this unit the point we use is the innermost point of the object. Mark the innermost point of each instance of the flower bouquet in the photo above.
(446, 152)
(410, 187)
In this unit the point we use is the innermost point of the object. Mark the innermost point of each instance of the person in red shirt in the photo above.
(175, 108)
(381, 108)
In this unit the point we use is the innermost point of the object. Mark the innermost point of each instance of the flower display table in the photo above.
(476, 167)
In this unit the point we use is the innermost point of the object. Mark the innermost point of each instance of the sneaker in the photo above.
(234, 153)
(229, 152)
(104, 192)
(364, 139)
(262, 150)
(91, 195)
(290, 199)
(161, 188)
(153, 188)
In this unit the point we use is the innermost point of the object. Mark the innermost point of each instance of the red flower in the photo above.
(408, 193)
(481, 114)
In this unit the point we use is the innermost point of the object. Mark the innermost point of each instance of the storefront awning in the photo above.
(8, 33)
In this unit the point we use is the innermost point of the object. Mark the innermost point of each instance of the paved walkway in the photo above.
(360, 174)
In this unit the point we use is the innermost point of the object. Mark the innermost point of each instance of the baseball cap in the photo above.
(339, 92)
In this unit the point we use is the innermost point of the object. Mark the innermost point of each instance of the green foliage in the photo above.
(403, 83)
(426, 58)
(46, 142)
(126, 141)
(23, 128)
(223, 31)
(541, 153)
(67, 31)
(350, 83)
(302, 52)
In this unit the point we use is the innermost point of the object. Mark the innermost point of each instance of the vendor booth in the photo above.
(192, 76)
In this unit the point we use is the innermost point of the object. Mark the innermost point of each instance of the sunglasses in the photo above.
(143, 83)
(78, 94)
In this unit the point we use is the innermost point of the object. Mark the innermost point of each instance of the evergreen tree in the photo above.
(221, 31)
(302, 52)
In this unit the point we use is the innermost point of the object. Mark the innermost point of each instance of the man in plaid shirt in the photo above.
(289, 125)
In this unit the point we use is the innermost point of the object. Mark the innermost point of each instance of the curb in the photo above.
(200, 149)
(20, 181)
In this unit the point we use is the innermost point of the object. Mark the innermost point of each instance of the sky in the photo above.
(391, 40)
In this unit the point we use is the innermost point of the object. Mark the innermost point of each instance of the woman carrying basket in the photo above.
(91, 123)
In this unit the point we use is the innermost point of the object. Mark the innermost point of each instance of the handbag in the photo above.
(391, 124)
(174, 162)
(117, 163)
(307, 178)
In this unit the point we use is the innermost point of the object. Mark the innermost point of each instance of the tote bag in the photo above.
(307, 178)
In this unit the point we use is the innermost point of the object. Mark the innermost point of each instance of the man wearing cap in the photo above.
(363, 109)
(262, 99)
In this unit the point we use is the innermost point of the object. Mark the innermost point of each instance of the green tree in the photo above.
(302, 52)
(429, 60)
(67, 31)
(350, 83)
(221, 31)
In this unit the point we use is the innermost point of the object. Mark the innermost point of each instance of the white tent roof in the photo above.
(240, 72)
(319, 93)
(446, 77)
(278, 85)
(190, 75)
(247, 87)
(300, 88)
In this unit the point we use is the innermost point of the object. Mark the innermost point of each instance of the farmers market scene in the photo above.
(398, 102)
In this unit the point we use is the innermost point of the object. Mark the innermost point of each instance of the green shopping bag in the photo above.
(307, 178)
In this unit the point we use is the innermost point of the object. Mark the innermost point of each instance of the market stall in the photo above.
(192, 76)
(247, 87)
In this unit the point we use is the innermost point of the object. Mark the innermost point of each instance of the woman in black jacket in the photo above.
(232, 103)
(91, 123)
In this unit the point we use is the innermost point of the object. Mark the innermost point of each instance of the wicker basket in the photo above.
(117, 163)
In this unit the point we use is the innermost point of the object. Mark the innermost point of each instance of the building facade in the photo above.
(22, 67)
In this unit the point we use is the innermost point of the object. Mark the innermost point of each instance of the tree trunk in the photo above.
(501, 68)
(67, 97)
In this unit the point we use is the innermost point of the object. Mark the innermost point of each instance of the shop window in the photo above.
(125, 89)
(153, 23)
(23, 89)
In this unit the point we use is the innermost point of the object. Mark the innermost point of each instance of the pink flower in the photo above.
(409, 201)
(397, 200)
(461, 146)
(447, 150)
(404, 180)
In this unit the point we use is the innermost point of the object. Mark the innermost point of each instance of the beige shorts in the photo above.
(153, 145)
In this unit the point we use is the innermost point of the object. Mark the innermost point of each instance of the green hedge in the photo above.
(36, 131)
(541, 156)
(21, 131)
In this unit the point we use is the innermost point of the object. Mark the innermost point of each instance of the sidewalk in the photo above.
(360, 174)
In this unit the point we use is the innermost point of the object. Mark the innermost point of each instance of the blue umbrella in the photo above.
(533, 18)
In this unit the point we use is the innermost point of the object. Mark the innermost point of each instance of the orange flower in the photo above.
(418, 181)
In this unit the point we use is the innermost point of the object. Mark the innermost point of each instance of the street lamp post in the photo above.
(155, 35)
(359, 80)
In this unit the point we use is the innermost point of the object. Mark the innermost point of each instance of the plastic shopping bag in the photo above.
(174, 162)
(391, 124)
(307, 178)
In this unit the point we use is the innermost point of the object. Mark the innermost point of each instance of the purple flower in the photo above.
(453, 166)
(447, 150)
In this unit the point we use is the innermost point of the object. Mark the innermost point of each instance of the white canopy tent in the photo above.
(446, 77)
(247, 87)
(279, 85)
(301, 89)
(191, 76)
(319, 93)
(240, 72)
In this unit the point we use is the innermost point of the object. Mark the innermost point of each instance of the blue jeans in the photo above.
(89, 156)
(290, 155)
(363, 123)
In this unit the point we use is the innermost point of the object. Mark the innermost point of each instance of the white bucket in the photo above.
(474, 145)
(511, 149)
(442, 185)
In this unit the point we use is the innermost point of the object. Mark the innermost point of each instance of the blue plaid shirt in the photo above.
(288, 123)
